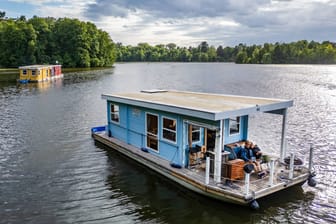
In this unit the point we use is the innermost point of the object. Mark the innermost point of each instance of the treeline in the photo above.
(300, 52)
(74, 43)
(69, 42)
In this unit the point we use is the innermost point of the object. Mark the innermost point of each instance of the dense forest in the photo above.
(69, 42)
(300, 52)
(74, 43)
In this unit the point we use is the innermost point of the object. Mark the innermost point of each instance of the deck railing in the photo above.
(247, 185)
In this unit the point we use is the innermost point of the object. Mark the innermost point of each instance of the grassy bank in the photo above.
(8, 70)
(9, 74)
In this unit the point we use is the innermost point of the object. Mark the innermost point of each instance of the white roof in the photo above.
(202, 105)
(37, 66)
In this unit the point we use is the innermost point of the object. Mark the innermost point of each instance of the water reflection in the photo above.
(86, 75)
(159, 200)
(51, 171)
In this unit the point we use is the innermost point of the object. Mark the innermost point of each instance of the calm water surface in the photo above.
(52, 172)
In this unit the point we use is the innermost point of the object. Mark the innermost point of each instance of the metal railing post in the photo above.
(291, 166)
(207, 170)
(311, 158)
(271, 172)
(247, 184)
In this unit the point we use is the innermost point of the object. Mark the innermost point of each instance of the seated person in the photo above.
(248, 152)
(253, 154)
(254, 151)
(237, 152)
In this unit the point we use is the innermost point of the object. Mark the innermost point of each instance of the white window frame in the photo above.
(169, 130)
(235, 119)
(113, 113)
(198, 129)
(151, 134)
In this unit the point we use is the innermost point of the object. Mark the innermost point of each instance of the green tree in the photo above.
(2, 15)
(204, 47)
(241, 57)
(17, 43)
(212, 54)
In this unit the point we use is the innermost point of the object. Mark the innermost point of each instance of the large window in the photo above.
(152, 131)
(169, 129)
(234, 124)
(195, 133)
(114, 113)
(24, 72)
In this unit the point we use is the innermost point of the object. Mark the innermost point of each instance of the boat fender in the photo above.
(144, 149)
(254, 205)
(98, 129)
(248, 168)
(297, 161)
(311, 181)
(23, 81)
(175, 165)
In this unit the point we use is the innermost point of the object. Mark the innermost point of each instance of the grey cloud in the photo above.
(259, 21)
(105, 8)
(173, 8)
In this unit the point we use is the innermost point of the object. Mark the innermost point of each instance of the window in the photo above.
(152, 131)
(33, 72)
(169, 129)
(195, 133)
(114, 113)
(234, 124)
(24, 72)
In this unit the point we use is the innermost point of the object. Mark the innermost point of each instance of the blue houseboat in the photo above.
(191, 138)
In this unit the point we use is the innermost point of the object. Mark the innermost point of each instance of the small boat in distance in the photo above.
(39, 73)
(187, 137)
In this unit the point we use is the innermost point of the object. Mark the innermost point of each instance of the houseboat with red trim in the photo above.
(39, 73)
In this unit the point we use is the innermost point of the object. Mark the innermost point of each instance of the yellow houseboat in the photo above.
(39, 73)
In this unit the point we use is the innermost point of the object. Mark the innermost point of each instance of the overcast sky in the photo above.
(188, 22)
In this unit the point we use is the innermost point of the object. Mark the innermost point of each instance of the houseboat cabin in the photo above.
(189, 137)
(39, 73)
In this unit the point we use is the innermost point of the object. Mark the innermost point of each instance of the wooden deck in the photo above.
(194, 178)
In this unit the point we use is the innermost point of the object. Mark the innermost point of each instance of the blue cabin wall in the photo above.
(242, 135)
(132, 130)
(117, 130)
(135, 133)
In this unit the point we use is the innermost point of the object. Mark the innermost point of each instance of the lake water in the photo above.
(51, 171)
